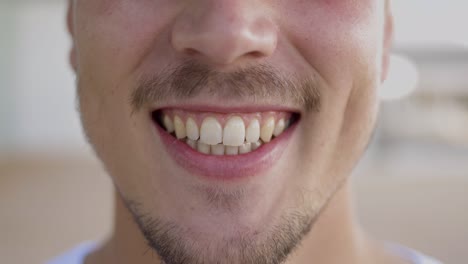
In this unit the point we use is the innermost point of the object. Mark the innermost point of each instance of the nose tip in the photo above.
(224, 34)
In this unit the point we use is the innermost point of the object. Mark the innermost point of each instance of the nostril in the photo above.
(255, 54)
(191, 51)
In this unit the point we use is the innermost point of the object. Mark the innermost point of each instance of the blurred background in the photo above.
(411, 187)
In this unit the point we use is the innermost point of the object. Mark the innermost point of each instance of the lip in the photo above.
(226, 168)
(229, 109)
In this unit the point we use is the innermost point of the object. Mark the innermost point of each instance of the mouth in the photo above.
(225, 145)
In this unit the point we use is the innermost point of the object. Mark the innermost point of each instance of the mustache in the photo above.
(256, 83)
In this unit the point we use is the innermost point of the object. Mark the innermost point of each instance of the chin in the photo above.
(244, 238)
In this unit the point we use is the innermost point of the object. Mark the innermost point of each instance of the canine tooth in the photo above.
(252, 133)
(234, 132)
(245, 148)
(217, 149)
(179, 128)
(211, 131)
(256, 145)
(192, 143)
(168, 124)
(192, 129)
(266, 132)
(279, 128)
(203, 148)
(231, 150)
(287, 123)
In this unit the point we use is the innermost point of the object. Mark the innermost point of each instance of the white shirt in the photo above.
(79, 253)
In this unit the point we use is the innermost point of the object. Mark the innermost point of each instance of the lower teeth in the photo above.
(221, 149)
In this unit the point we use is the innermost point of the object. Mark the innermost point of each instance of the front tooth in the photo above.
(245, 148)
(168, 124)
(253, 131)
(217, 149)
(211, 131)
(266, 131)
(179, 128)
(203, 148)
(279, 128)
(234, 132)
(192, 129)
(231, 150)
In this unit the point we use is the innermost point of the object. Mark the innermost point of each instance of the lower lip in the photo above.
(226, 168)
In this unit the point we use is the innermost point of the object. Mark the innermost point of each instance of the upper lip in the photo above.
(232, 108)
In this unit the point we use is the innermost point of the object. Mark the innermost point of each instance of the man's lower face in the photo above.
(216, 177)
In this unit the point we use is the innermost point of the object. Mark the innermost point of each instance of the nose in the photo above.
(224, 32)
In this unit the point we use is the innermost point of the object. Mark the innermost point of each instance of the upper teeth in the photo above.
(234, 132)
(235, 138)
(211, 131)
(279, 128)
(179, 126)
(192, 129)
(168, 124)
(267, 130)
(252, 134)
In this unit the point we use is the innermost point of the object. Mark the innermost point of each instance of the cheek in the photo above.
(111, 38)
(114, 36)
(338, 39)
(349, 9)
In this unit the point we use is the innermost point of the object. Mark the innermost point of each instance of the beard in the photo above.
(176, 244)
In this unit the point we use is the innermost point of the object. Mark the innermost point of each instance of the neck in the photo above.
(334, 238)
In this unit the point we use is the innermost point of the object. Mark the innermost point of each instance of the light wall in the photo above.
(37, 85)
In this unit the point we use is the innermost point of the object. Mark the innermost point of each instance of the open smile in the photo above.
(225, 145)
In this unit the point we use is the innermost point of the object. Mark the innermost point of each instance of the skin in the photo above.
(344, 43)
